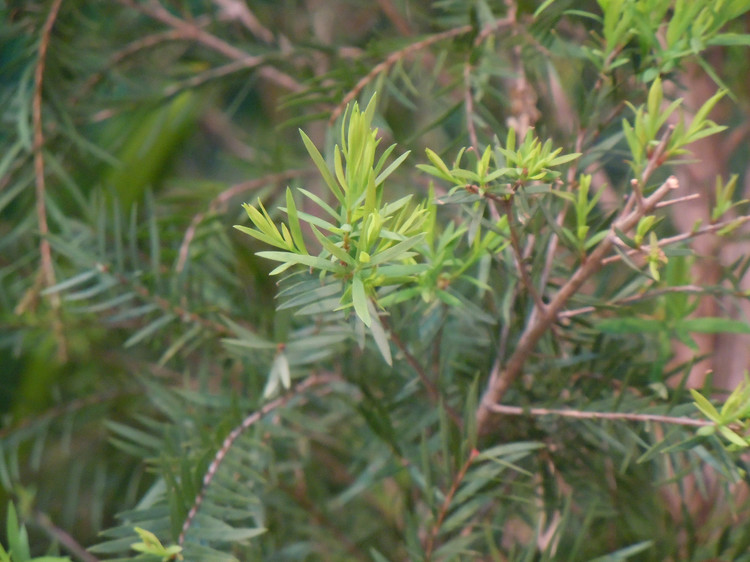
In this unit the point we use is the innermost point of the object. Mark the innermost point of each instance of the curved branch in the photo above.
(539, 324)
(45, 251)
(249, 421)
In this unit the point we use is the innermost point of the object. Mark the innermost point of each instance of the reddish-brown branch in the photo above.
(584, 415)
(64, 538)
(165, 305)
(682, 237)
(469, 107)
(538, 325)
(399, 22)
(45, 251)
(238, 9)
(516, 247)
(192, 32)
(392, 59)
(249, 421)
(430, 386)
(435, 531)
(641, 297)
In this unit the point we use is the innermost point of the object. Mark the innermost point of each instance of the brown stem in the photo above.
(429, 385)
(45, 251)
(685, 236)
(249, 421)
(64, 538)
(540, 323)
(640, 297)
(516, 247)
(469, 105)
(190, 31)
(392, 59)
(583, 415)
(447, 503)
(237, 9)
(399, 22)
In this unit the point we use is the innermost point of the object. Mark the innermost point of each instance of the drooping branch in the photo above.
(311, 382)
(45, 250)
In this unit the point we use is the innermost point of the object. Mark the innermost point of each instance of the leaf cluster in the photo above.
(513, 247)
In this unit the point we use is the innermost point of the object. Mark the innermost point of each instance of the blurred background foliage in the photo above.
(139, 329)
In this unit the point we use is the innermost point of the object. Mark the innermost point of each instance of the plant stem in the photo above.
(501, 381)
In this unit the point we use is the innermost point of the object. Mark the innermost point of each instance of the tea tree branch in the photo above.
(539, 324)
(583, 415)
(45, 251)
(309, 383)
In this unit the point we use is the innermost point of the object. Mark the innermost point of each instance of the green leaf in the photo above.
(730, 39)
(440, 166)
(359, 300)
(322, 204)
(309, 261)
(702, 403)
(397, 251)
(294, 226)
(630, 325)
(320, 163)
(564, 159)
(715, 325)
(378, 333)
(332, 248)
(392, 168)
(732, 437)
(546, 4)
(18, 541)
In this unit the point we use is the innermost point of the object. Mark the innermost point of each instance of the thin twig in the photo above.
(191, 31)
(678, 200)
(682, 237)
(581, 414)
(399, 22)
(188, 30)
(637, 298)
(392, 59)
(165, 305)
(499, 24)
(432, 389)
(63, 537)
(538, 326)
(506, 205)
(469, 106)
(238, 10)
(249, 421)
(520, 262)
(447, 503)
(210, 74)
(221, 199)
(45, 250)
(129, 50)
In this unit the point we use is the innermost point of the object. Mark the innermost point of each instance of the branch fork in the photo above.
(543, 319)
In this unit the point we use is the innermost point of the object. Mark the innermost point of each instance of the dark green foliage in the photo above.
(323, 389)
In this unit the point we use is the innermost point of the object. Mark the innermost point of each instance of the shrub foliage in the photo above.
(459, 312)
